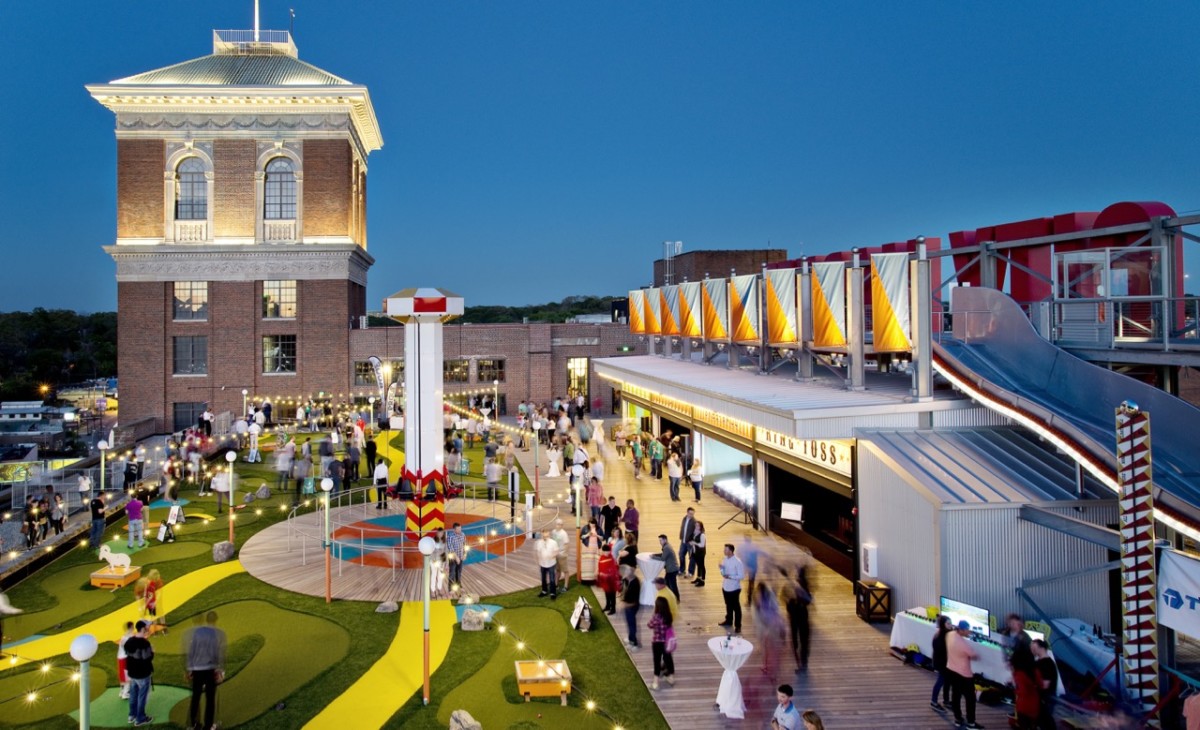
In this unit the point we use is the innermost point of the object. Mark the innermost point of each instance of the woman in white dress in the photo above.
(554, 458)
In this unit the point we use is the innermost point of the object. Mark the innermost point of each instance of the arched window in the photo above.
(279, 193)
(191, 191)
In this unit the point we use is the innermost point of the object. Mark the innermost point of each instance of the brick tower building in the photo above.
(241, 227)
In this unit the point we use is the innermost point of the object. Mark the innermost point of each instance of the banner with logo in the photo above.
(1179, 592)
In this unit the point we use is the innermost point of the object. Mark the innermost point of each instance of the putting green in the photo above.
(388, 684)
(74, 595)
(178, 591)
(53, 693)
(244, 695)
(109, 710)
(483, 694)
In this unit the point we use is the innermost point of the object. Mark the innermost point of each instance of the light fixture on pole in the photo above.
(371, 400)
(496, 398)
(326, 487)
(578, 526)
(231, 456)
(83, 648)
(103, 446)
(426, 546)
(244, 394)
(537, 471)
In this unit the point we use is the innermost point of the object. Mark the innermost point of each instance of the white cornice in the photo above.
(169, 262)
(353, 100)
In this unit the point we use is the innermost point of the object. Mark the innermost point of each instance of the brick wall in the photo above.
(694, 265)
(234, 204)
(141, 349)
(140, 188)
(534, 354)
(327, 187)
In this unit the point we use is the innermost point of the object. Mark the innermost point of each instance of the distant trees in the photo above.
(54, 347)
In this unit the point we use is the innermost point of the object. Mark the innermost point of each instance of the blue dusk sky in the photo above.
(535, 150)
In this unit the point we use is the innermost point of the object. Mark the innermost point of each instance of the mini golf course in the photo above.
(294, 661)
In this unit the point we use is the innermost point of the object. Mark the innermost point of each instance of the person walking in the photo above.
(687, 533)
(959, 655)
(139, 666)
(637, 458)
(96, 505)
(699, 551)
(943, 681)
(674, 475)
(1046, 672)
(303, 471)
(696, 477)
(547, 559)
(632, 518)
(562, 571)
(657, 452)
(631, 596)
(662, 631)
(205, 669)
(796, 598)
(732, 572)
(456, 555)
(768, 619)
(133, 510)
(610, 517)
(670, 565)
(371, 449)
(379, 475)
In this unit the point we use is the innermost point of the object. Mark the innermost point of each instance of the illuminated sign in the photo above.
(833, 454)
(724, 422)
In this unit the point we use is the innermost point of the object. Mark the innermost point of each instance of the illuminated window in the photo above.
(456, 371)
(279, 191)
(191, 191)
(490, 371)
(577, 375)
(364, 374)
(191, 355)
(279, 299)
(279, 353)
(191, 300)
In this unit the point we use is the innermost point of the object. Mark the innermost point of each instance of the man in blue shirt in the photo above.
(786, 716)
(456, 551)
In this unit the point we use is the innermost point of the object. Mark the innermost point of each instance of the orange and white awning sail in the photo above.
(637, 315)
(669, 309)
(781, 308)
(891, 320)
(690, 313)
(743, 309)
(714, 303)
(829, 304)
(653, 312)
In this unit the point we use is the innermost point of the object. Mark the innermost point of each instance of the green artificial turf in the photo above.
(478, 674)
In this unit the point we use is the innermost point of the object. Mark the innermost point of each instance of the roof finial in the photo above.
(256, 21)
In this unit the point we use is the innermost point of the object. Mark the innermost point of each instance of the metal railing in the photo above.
(348, 508)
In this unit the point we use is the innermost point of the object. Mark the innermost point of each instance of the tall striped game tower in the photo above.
(423, 312)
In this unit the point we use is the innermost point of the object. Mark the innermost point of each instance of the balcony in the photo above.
(191, 231)
(279, 231)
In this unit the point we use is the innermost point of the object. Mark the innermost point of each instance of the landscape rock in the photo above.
(462, 720)
(248, 498)
(264, 492)
(473, 620)
(387, 607)
(222, 551)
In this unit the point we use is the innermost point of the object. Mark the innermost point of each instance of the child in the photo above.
(122, 678)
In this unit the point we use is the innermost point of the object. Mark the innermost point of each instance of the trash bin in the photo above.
(873, 601)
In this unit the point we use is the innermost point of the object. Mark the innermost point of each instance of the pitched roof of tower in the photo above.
(220, 69)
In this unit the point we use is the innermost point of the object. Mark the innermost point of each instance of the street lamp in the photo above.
(103, 446)
(326, 487)
(496, 400)
(83, 648)
(244, 394)
(371, 400)
(231, 456)
(578, 527)
(426, 546)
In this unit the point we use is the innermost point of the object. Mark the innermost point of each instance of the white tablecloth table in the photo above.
(651, 567)
(731, 657)
(908, 630)
(1094, 652)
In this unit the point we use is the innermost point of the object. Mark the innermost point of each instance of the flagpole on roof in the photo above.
(256, 21)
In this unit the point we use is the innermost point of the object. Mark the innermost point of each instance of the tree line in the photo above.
(54, 347)
(572, 306)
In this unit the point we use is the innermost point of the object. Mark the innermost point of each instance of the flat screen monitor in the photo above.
(978, 618)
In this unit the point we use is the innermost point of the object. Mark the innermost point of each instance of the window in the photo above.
(456, 371)
(490, 371)
(186, 415)
(191, 191)
(279, 299)
(191, 300)
(191, 355)
(364, 374)
(577, 376)
(279, 354)
(279, 191)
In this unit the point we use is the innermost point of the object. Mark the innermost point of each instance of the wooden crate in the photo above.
(544, 678)
(116, 578)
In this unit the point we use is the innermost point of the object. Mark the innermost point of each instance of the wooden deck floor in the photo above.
(852, 679)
